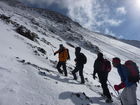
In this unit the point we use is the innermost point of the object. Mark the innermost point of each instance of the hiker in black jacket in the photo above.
(80, 61)
(103, 75)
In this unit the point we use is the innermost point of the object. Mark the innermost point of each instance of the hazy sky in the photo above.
(119, 18)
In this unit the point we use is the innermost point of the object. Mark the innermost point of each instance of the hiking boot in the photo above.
(74, 76)
(108, 100)
(66, 75)
(103, 95)
(61, 72)
(82, 83)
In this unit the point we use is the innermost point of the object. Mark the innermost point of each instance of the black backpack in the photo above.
(83, 58)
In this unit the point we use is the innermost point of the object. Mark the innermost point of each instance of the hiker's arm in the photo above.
(95, 70)
(56, 52)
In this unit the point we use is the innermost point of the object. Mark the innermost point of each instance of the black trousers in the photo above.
(103, 80)
(80, 69)
(63, 65)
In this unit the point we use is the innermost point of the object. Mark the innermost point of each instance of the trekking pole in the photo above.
(117, 93)
(120, 98)
(51, 47)
(112, 88)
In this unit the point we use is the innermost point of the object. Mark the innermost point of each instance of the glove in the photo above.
(116, 87)
(120, 86)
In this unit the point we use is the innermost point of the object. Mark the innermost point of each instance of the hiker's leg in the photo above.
(81, 74)
(58, 67)
(74, 72)
(64, 68)
(131, 95)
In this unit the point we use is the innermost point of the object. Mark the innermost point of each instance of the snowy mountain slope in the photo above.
(132, 42)
(27, 67)
(22, 84)
(135, 43)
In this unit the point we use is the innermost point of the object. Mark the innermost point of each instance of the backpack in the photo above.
(133, 71)
(83, 58)
(107, 65)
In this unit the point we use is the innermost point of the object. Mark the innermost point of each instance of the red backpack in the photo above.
(133, 71)
(107, 65)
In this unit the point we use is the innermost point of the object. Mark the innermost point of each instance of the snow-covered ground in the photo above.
(29, 77)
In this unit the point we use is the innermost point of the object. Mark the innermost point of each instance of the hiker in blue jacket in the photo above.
(128, 95)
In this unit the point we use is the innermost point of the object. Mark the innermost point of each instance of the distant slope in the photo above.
(135, 43)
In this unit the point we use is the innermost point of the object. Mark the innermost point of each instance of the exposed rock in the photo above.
(26, 33)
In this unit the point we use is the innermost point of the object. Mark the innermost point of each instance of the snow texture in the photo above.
(28, 74)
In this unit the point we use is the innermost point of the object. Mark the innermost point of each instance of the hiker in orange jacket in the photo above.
(63, 55)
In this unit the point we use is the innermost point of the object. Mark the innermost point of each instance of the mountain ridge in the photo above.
(60, 18)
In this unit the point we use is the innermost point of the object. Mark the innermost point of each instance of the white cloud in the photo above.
(82, 11)
(121, 10)
(92, 14)
(121, 37)
(114, 22)
(108, 32)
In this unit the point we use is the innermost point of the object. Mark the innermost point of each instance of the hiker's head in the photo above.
(61, 46)
(77, 50)
(116, 61)
(100, 55)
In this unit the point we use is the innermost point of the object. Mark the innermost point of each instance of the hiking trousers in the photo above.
(63, 65)
(128, 95)
(80, 69)
(103, 80)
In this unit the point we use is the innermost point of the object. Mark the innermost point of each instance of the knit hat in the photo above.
(78, 49)
(116, 60)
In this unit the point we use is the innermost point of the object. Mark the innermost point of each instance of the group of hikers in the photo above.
(128, 72)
